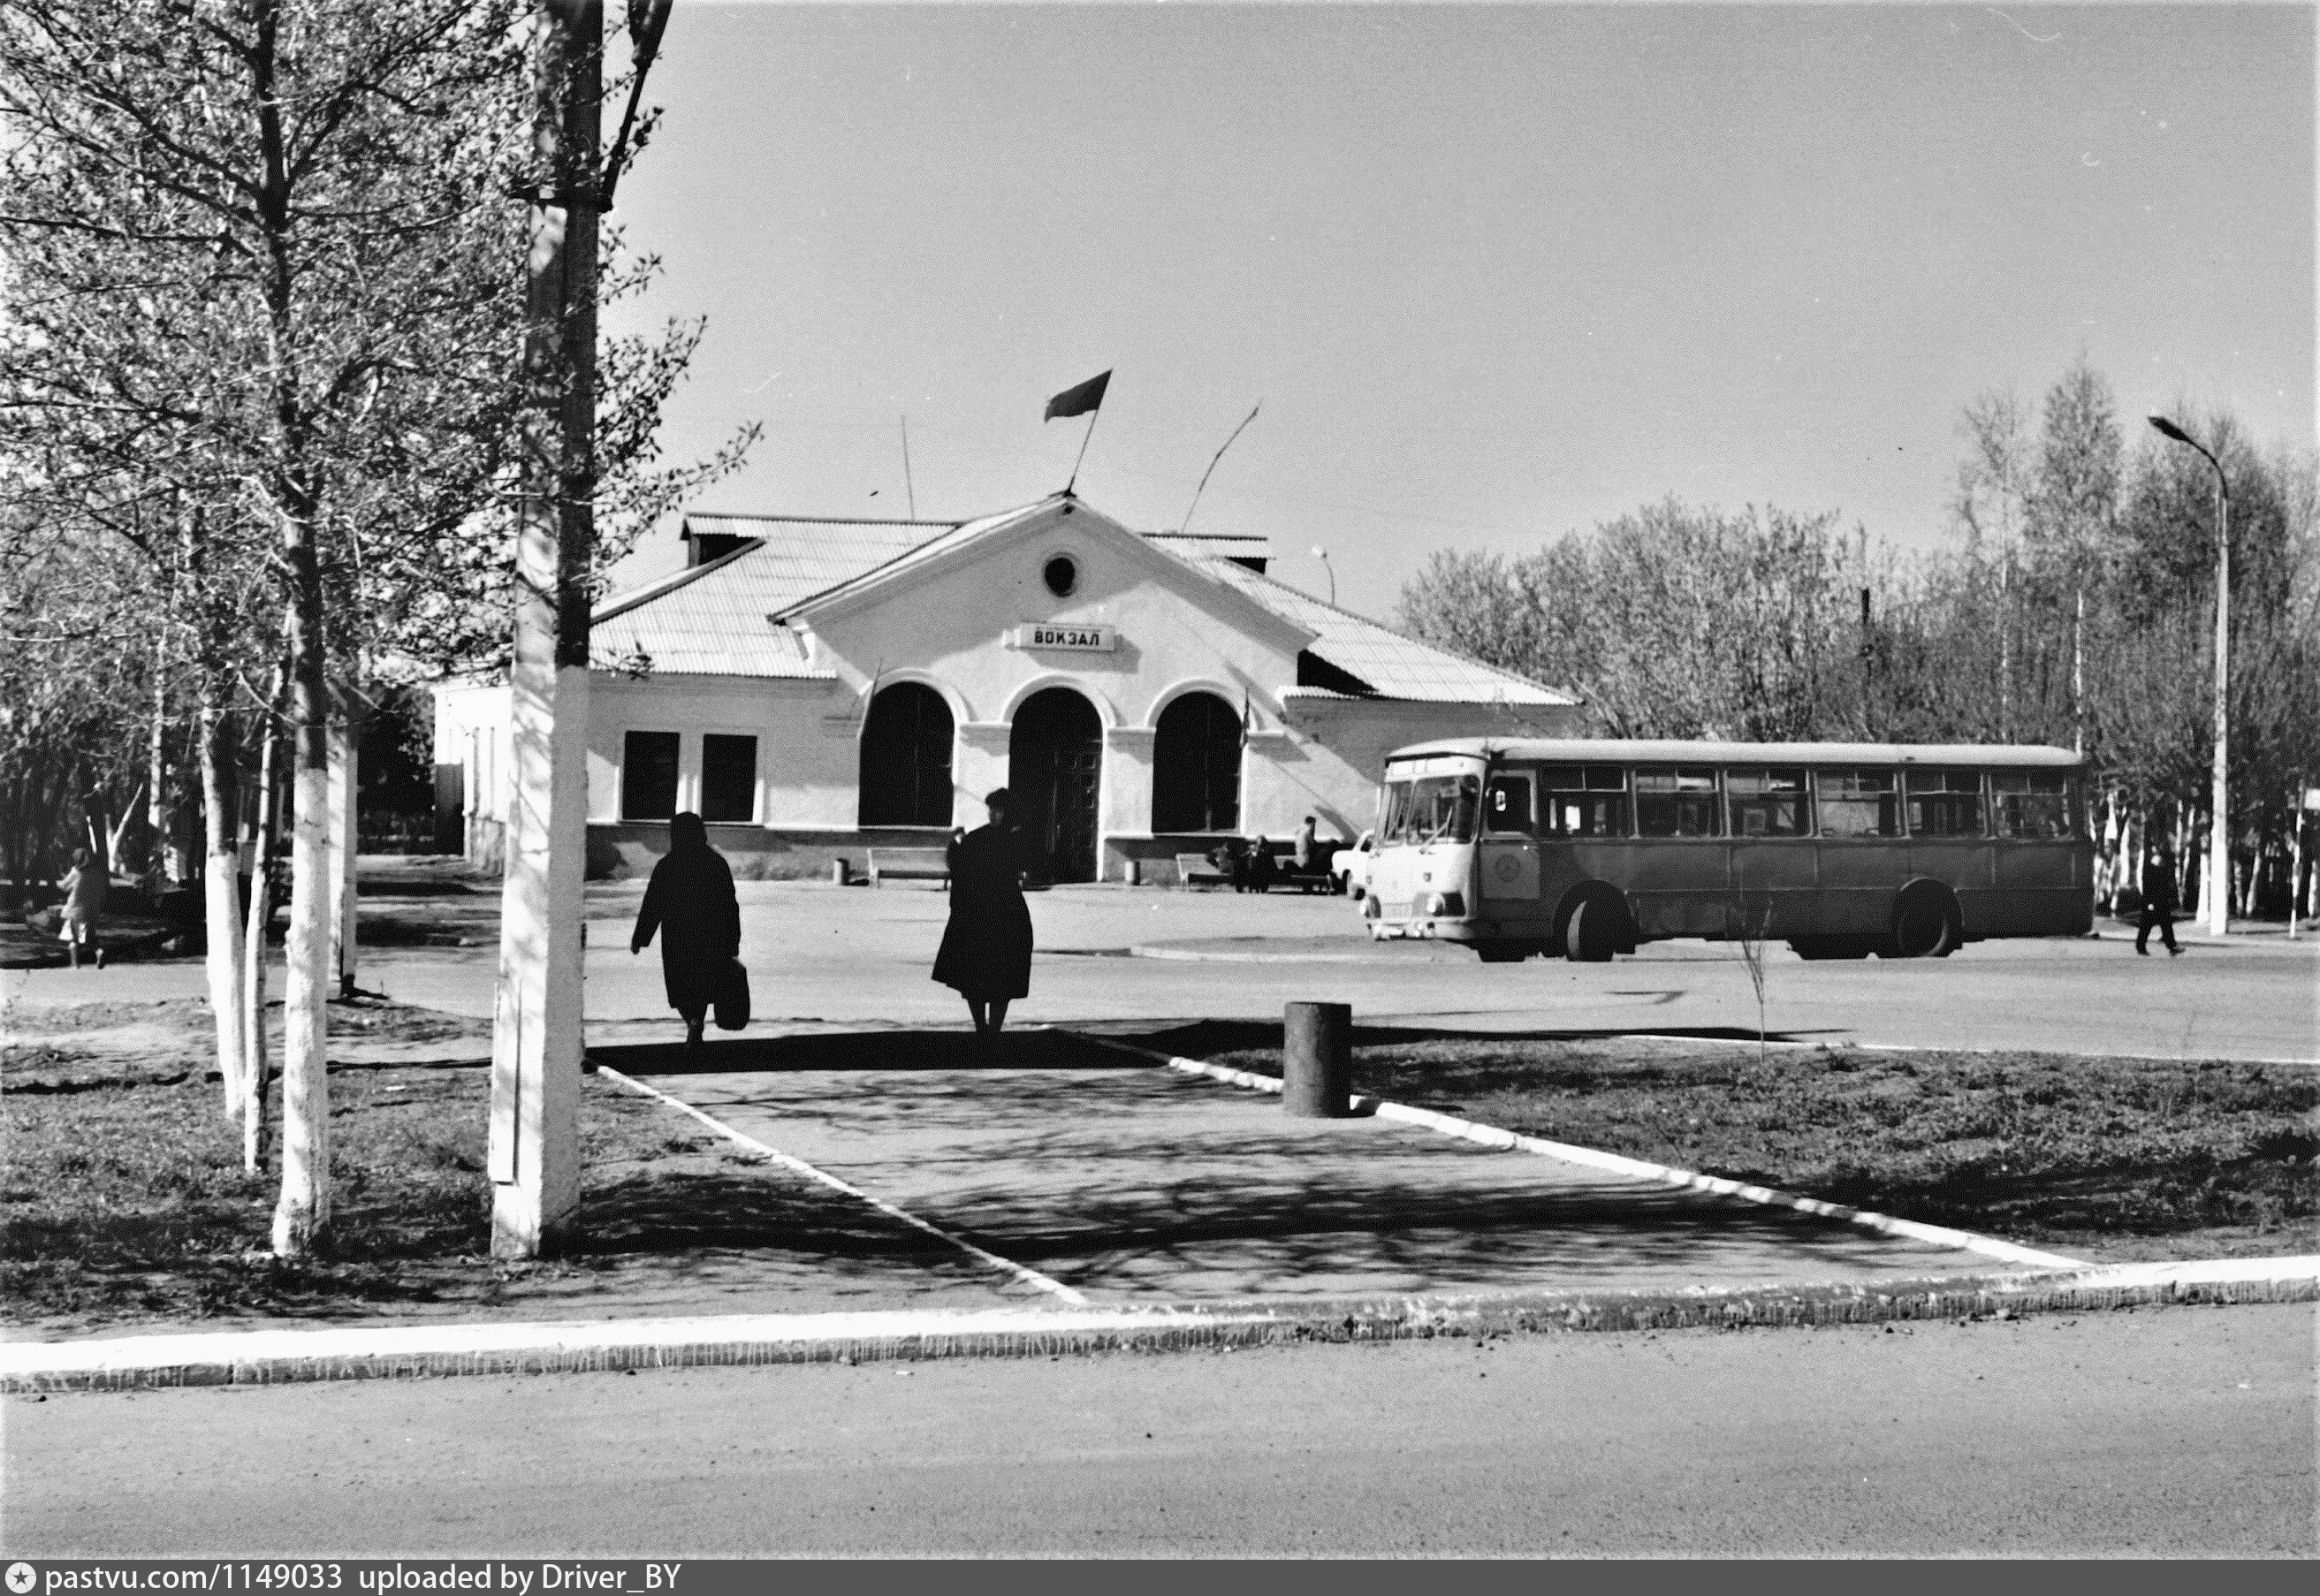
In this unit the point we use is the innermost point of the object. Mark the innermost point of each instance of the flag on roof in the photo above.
(1078, 401)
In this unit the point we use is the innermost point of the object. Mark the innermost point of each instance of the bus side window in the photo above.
(1858, 803)
(1944, 802)
(1680, 803)
(2031, 804)
(1767, 803)
(1396, 813)
(1505, 805)
(1583, 800)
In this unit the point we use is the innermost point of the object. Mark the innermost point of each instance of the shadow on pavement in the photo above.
(884, 1050)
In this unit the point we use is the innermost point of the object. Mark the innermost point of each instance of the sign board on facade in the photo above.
(1048, 634)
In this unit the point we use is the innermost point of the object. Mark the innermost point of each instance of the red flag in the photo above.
(1078, 401)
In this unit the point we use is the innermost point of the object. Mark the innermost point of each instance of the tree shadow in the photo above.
(899, 1048)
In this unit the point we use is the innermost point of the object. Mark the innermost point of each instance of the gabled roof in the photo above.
(712, 618)
(723, 618)
(1390, 665)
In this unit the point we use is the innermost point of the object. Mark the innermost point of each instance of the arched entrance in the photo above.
(1054, 759)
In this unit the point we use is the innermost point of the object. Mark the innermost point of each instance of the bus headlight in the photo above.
(1452, 904)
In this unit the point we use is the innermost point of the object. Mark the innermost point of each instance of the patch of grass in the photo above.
(2117, 1156)
(126, 1200)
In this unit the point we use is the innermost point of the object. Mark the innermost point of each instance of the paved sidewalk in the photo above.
(1128, 1182)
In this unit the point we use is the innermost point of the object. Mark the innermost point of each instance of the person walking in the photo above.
(690, 902)
(2157, 902)
(986, 948)
(85, 886)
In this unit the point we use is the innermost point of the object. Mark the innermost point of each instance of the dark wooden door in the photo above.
(1054, 767)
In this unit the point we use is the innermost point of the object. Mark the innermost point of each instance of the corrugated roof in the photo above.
(1222, 545)
(715, 619)
(1392, 665)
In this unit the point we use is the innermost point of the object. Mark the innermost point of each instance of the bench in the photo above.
(1194, 870)
(910, 864)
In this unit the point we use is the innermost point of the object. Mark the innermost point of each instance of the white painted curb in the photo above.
(1490, 1136)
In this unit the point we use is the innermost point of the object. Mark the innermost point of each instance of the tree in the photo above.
(262, 269)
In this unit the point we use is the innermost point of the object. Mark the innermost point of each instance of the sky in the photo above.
(1492, 273)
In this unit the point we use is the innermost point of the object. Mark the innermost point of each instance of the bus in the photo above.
(1589, 849)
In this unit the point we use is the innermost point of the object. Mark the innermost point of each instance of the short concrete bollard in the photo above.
(1129, 873)
(1316, 1060)
(837, 872)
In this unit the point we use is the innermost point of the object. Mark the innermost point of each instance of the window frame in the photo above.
(756, 739)
(1806, 815)
(1713, 795)
(1909, 796)
(675, 774)
(1893, 794)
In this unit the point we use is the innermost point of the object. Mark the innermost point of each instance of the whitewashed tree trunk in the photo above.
(255, 1062)
(221, 896)
(346, 749)
(301, 1217)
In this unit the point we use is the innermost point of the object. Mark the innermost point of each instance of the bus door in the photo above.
(1509, 844)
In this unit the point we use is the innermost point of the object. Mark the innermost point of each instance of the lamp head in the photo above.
(1319, 552)
(2167, 429)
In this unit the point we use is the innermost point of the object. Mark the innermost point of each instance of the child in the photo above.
(84, 887)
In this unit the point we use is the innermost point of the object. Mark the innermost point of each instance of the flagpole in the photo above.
(1092, 414)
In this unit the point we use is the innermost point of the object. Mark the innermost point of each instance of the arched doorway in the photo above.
(1196, 766)
(905, 772)
(1055, 761)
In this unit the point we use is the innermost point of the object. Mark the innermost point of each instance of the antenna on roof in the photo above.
(1251, 416)
(907, 488)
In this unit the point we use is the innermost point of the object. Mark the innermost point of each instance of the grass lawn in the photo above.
(2113, 1159)
(122, 1202)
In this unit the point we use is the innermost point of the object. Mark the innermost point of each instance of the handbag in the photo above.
(732, 1003)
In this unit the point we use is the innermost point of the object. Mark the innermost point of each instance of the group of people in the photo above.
(985, 955)
(1250, 866)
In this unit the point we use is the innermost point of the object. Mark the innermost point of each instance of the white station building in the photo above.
(814, 688)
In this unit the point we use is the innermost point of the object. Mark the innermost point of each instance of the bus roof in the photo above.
(1645, 751)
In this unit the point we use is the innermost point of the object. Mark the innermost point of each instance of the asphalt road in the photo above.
(861, 955)
(2185, 1431)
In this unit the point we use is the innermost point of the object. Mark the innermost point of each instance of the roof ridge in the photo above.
(622, 603)
(826, 521)
(1463, 658)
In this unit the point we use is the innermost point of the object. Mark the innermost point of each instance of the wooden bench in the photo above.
(910, 864)
(1194, 870)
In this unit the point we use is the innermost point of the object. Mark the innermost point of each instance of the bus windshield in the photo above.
(1432, 809)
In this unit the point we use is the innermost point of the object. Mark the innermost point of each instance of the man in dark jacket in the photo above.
(690, 901)
(2157, 902)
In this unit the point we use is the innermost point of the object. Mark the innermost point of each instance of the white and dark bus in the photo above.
(1589, 848)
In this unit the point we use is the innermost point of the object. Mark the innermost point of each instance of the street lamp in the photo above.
(1322, 555)
(2219, 839)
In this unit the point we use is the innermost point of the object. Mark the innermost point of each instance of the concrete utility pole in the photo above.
(2216, 883)
(536, 1037)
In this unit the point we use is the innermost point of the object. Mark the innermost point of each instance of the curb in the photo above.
(268, 1357)
(1490, 1136)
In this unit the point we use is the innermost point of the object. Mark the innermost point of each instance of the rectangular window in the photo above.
(648, 775)
(2035, 805)
(1393, 813)
(1583, 800)
(1944, 802)
(1439, 809)
(729, 780)
(1677, 803)
(1857, 803)
(1506, 806)
(1768, 802)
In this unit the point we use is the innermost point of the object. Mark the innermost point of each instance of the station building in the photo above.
(815, 688)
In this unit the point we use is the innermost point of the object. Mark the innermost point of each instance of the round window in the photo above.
(1061, 575)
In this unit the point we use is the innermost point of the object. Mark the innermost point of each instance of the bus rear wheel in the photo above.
(1925, 925)
(1592, 935)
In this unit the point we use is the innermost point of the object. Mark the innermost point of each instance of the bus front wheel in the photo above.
(1926, 926)
(1592, 935)
(1503, 953)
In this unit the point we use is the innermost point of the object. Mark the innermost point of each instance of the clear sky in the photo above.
(1494, 272)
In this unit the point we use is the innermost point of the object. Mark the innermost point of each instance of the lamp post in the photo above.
(1322, 555)
(2218, 882)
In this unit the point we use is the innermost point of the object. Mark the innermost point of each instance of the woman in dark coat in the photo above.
(690, 902)
(986, 948)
